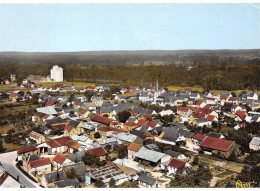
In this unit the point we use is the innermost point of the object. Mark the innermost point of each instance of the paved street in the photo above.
(9, 163)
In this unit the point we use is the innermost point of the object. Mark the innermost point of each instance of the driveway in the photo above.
(9, 163)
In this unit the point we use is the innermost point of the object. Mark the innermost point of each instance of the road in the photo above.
(9, 163)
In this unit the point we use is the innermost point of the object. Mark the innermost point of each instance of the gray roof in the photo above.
(149, 155)
(73, 123)
(55, 120)
(80, 168)
(185, 133)
(68, 182)
(151, 146)
(213, 134)
(47, 110)
(76, 157)
(255, 141)
(172, 153)
(146, 179)
(55, 176)
(203, 120)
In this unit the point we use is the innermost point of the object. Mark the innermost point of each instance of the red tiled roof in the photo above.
(58, 126)
(58, 85)
(210, 117)
(109, 163)
(188, 89)
(58, 142)
(151, 124)
(107, 129)
(234, 106)
(216, 143)
(177, 163)
(232, 99)
(199, 137)
(241, 114)
(46, 116)
(152, 87)
(114, 123)
(59, 158)
(206, 106)
(68, 128)
(97, 151)
(242, 125)
(40, 162)
(183, 109)
(3, 177)
(101, 119)
(141, 122)
(199, 115)
(84, 111)
(26, 149)
(50, 102)
(130, 124)
(147, 116)
(134, 147)
(199, 102)
(223, 97)
(212, 99)
(73, 144)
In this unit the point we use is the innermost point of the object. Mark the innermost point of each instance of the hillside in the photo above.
(183, 57)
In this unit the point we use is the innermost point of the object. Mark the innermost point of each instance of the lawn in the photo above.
(25, 108)
(4, 87)
(11, 147)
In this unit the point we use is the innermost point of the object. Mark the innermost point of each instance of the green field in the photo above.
(75, 84)
(200, 89)
(4, 87)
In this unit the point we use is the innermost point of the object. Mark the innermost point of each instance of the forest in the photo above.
(218, 77)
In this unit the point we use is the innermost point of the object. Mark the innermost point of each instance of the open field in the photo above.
(5, 129)
(4, 87)
(25, 108)
(200, 89)
(11, 147)
(76, 84)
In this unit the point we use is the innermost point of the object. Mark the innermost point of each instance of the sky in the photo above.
(95, 27)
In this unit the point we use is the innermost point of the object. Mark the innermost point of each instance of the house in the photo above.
(183, 111)
(98, 152)
(146, 157)
(201, 122)
(68, 183)
(37, 137)
(7, 181)
(166, 112)
(73, 146)
(39, 167)
(174, 165)
(105, 174)
(23, 153)
(54, 146)
(177, 155)
(255, 144)
(60, 160)
(241, 115)
(222, 145)
(146, 181)
(73, 128)
(79, 168)
(101, 119)
(107, 130)
(132, 149)
(48, 180)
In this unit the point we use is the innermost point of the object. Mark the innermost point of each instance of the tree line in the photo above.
(219, 76)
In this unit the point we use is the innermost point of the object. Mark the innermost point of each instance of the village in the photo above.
(106, 135)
